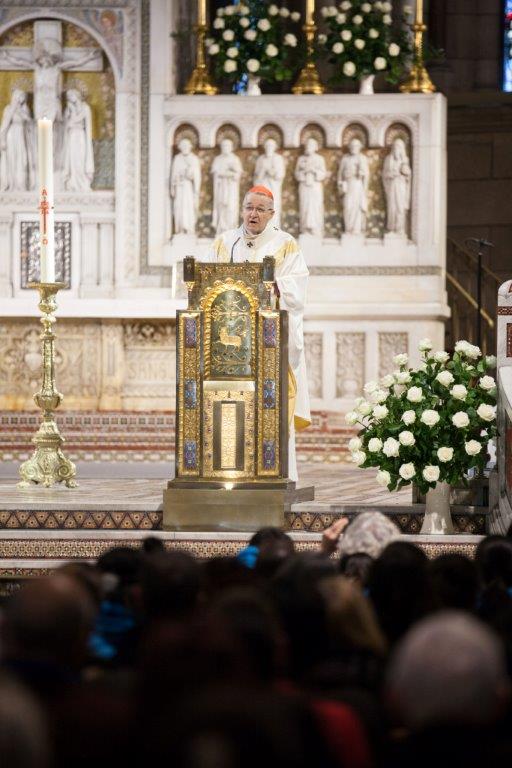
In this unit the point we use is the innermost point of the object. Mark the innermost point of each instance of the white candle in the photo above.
(46, 224)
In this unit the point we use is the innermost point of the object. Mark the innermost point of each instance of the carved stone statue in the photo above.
(396, 178)
(16, 145)
(310, 172)
(226, 171)
(353, 177)
(185, 187)
(78, 157)
(269, 171)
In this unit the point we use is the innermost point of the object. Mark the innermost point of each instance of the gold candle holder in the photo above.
(418, 80)
(48, 465)
(309, 79)
(199, 81)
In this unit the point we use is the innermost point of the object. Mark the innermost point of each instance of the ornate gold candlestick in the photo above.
(199, 81)
(309, 79)
(418, 80)
(48, 465)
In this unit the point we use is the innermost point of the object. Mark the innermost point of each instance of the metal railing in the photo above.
(467, 289)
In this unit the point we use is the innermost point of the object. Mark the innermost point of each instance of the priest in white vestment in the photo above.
(258, 237)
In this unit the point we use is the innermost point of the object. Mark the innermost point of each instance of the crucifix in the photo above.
(48, 59)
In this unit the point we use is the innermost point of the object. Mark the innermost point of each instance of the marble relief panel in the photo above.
(350, 354)
(390, 344)
(149, 359)
(313, 350)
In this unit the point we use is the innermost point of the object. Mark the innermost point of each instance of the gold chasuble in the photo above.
(291, 274)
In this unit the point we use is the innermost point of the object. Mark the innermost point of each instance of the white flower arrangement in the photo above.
(434, 429)
(369, 43)
(261, 36)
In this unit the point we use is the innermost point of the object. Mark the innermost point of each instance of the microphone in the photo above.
(480, 241)
(232, 250)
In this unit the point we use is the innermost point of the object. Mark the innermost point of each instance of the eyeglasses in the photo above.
(251, 209)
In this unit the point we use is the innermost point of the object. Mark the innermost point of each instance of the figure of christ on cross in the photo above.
(48, 60)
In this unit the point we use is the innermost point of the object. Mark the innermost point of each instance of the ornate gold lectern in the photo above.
(231, 401)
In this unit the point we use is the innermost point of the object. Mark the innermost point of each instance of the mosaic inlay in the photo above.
(190, 332)
(190, 454)
(269, 332)
(269, 454)
(190, 393)
(269, 393)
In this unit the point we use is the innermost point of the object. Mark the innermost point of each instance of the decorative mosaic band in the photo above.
(189, 398)
(504, 310)
(509, 339)
(269, 403)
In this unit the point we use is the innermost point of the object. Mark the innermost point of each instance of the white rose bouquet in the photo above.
(254, 38)
(427, 424)
(362, 41)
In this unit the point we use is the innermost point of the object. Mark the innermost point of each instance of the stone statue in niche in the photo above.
(269, 171)
(17, 170)
(226, 171)
(311, 172)
(185, 187)
(396, 178)
(353, 177)
(77, 156)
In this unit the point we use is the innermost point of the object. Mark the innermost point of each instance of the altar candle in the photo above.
(310, 11)
(46, 224)
(419, 11)
(201, 13)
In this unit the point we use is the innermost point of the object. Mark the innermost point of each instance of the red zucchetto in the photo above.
(259, 189)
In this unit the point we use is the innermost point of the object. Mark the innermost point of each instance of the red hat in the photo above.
(259, 189)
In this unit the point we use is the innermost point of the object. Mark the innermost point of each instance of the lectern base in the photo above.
(235, 509)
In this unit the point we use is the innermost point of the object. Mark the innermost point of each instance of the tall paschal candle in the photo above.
(45, 182)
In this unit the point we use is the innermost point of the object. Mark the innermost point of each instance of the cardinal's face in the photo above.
(257, 211)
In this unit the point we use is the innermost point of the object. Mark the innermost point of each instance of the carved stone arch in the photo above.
(313, 131)
(229, 131)
(398, 130)
(184, 131)
(355, 130)
(270, 131)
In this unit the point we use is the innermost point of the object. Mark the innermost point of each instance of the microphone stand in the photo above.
(481, 244)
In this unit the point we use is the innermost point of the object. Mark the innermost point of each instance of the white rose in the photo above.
(250, 34)
(473, 352)
(430, 417)
(431, 473)
(228, 35)
(486, 412)
(220, 11)
(264, 25)
(271, 50)
(387, 19)
(379, 396)
(346, 35)
(244, 22)
(322, 39)
(284, 12)
(355, 444)
(444, 453)
(380, 412)
(402, 377)
(487, 383)
(441, 357)
(373, 33)
(408, 417)
(358, 457)
(406, 438)
(374, 445)
(461, 346)
(229, 10)
(407, 471)
(243, 9)
(388, 380)
(391, 447)
(273, 10)
(371, 386)
(445, 378)
(332, 10)
(460, 419)
(341, 18)
(290, 40)
(490, 361)
(357, 19)
(230, 65)
(472, 447)
(352, 418)
(414, 395)
(380, 63)
(349, 68)
(458, 391)
(219, 24)
(253, 65)
(232, 52)
(383, 477)
(338, 48)
(386, 6)
(295, 16)
(345, 5)
(366, 8)
(213, 49)
(359, 44)
(364, 408)
(394, 49)
(401, 359)
(425, 345)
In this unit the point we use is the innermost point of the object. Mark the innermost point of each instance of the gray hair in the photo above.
(369, 532)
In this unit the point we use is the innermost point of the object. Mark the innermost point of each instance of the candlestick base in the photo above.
(418, 81)
(48, 465)
(309, 79)
(199, 81)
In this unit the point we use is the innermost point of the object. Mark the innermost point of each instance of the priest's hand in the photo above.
(331, 535)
